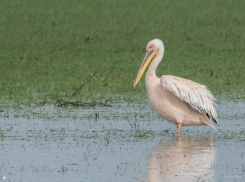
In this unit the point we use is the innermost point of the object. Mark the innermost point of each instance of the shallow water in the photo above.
(121, 143)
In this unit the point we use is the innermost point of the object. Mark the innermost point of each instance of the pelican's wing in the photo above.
(196, 95)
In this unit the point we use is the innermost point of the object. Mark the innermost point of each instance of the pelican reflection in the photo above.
(183, 159)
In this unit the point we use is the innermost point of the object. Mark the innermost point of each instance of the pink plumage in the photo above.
(178, 100)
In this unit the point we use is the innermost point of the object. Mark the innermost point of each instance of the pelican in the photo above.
(178, 100)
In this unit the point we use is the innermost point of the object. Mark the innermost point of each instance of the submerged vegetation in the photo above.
(50, 48)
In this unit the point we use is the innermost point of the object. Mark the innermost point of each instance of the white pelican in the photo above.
(178, 100)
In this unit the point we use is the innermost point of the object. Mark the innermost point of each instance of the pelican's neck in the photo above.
(151, 72)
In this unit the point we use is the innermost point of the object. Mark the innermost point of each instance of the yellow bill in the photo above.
(148, 58)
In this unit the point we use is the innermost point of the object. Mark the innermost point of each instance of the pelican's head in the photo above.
(152, 49)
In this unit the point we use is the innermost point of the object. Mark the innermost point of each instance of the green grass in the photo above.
(49, 48)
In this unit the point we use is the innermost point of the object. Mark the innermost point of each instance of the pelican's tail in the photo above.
(208, 122)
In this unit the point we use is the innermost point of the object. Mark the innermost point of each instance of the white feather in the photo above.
(195, 94)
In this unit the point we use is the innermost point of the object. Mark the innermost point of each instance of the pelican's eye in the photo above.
(150, 48)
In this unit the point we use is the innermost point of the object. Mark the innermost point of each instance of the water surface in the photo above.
(121, 143)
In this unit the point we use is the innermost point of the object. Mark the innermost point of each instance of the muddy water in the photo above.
(122, 143)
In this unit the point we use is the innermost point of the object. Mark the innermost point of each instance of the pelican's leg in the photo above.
(178, 127)
(179, 137)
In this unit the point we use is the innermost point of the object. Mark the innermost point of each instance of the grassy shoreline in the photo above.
(50, 48)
